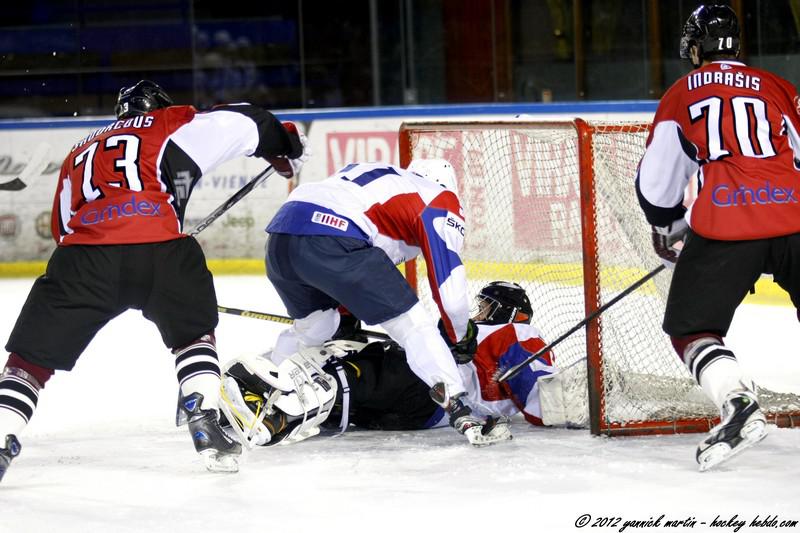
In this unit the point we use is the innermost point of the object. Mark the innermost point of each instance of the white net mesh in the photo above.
(519, 184)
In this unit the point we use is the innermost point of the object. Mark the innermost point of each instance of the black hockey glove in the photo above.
(289, 165)
(666, 237)
(464, 350)
(349, 329)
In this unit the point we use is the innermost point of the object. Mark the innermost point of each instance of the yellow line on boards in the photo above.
(767, 292)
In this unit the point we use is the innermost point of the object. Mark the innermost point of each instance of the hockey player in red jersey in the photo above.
(737, 128)
(117, 219)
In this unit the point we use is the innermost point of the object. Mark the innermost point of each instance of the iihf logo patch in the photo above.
(327, 219)
(190, 404)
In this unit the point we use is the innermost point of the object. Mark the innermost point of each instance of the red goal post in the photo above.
(552, 206)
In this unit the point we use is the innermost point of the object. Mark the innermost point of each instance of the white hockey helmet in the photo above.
(439, 171)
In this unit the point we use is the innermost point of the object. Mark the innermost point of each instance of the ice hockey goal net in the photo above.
(552, 206)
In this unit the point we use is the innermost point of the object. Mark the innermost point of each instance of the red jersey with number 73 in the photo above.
(129, 181)
(737, 127)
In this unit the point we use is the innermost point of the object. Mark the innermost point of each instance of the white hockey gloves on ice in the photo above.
(665, 239)
(289, 165)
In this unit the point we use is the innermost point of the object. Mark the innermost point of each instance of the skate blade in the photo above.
(496, 436)
(751, 434)
(220, 462)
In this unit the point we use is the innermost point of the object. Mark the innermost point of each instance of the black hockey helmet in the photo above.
(503, 302)
(141, 98)
(715, 31)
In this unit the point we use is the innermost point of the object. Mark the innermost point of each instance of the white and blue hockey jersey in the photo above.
(397, 211)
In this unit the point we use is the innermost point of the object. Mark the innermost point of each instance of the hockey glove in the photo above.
(464, 350)
(666, 237)
(289, 165)
(349, 329)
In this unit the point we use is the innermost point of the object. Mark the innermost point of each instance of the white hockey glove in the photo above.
(289, 166)
(666, 240)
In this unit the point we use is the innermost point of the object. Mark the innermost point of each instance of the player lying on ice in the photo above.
(371, 386)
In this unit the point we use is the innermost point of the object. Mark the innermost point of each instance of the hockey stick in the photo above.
(514, 370)
(287, 320)
(241, 193)
(37, 163)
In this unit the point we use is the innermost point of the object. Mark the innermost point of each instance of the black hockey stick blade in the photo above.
(14, 185)
(287, 320)
(230, 202)
(514, 370)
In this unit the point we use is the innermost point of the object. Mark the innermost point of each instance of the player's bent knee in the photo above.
(317, 327)
(412, 322)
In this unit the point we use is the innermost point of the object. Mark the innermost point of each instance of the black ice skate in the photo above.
(210, 440)
(478, 431)
(11, 450)
(742, 425)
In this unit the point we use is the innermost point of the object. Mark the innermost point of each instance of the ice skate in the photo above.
(219, 451)
(742, 425)
(479, 432)
(11, 450)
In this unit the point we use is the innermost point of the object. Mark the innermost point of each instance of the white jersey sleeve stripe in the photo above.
(198, 138)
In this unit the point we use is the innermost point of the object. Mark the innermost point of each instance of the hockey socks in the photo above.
(197, 369)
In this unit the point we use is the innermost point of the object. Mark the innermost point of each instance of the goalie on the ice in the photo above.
(370, 385)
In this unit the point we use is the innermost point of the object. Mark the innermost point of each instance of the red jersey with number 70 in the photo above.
(737, 127)
(129, 181)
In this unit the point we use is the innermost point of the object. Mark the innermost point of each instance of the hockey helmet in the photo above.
(141, 98)
(715, 31)
(439, 171)
(503, 302)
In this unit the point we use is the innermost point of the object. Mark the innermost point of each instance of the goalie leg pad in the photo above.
(273, 404)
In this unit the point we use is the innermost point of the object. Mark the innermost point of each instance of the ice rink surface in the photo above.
(102, 454)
